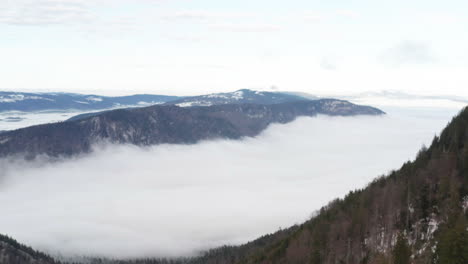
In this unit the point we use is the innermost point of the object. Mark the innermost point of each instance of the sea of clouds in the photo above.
(124, 201)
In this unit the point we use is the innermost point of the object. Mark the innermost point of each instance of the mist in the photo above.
(124, 201)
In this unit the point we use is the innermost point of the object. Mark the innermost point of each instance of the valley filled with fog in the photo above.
(171, 200)
(11, 120)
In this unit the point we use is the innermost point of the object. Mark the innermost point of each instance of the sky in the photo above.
(225, 192)
(187, 47)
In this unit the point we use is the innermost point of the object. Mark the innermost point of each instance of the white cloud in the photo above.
(348, 13)
(253, 28)
(409, 52)
(204, 15)
(123, 201)
(314, 16)
(45, 12)
(224, 21)
(24, 12)
(442, 18)
(328, 64)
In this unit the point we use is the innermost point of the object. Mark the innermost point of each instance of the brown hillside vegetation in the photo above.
(419, 211)
(417, 214)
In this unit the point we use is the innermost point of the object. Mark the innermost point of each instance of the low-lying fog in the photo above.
(11, 120)
(124, 201)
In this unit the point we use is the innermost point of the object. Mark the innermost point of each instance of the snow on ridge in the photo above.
(194, 103)
(143, 103)
(216, 96)
(185, 104)
(81, 102)
(238, 95)
(13, 98)
(94, 99)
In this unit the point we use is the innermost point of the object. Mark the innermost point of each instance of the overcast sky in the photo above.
(198, 46)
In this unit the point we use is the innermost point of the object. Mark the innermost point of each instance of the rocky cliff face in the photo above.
(165, 124)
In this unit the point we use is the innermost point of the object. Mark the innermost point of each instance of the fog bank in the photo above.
(171, 200)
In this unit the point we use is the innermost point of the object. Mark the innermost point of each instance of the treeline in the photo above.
(417, 214)
(12, 252)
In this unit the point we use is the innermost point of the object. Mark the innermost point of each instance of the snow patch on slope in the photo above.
(94, 99)
(12, 98)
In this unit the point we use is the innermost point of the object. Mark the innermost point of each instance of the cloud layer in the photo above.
(409, 52)
(124, 201)
(26, 12)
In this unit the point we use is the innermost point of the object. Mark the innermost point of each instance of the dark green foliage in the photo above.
(12, 252)
(453, 243)
(316, 257)
(401, 251)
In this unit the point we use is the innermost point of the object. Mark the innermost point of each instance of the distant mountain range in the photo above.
(166, 124)
(417, 214)
(29, 102)
(244, 96)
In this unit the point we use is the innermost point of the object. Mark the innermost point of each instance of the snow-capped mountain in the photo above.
(244, 96)
(18, 109)
(29, 102)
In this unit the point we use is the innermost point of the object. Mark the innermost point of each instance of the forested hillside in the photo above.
(416, 214)
(160, 124)
(12, 252)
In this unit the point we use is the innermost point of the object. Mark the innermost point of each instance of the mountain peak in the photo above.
(242, 96)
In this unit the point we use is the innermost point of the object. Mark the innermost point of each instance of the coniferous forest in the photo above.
(416, 214)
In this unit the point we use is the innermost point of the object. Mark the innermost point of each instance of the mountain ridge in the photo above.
(161, 124)
(28, 102)
(243, 96)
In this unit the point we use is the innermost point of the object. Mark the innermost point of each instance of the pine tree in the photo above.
(401, 251)
(453, 244)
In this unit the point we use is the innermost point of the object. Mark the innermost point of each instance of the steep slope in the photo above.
(244, 96)
(418, 214)
(165, 124)
(28, 102)
(12, 252)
